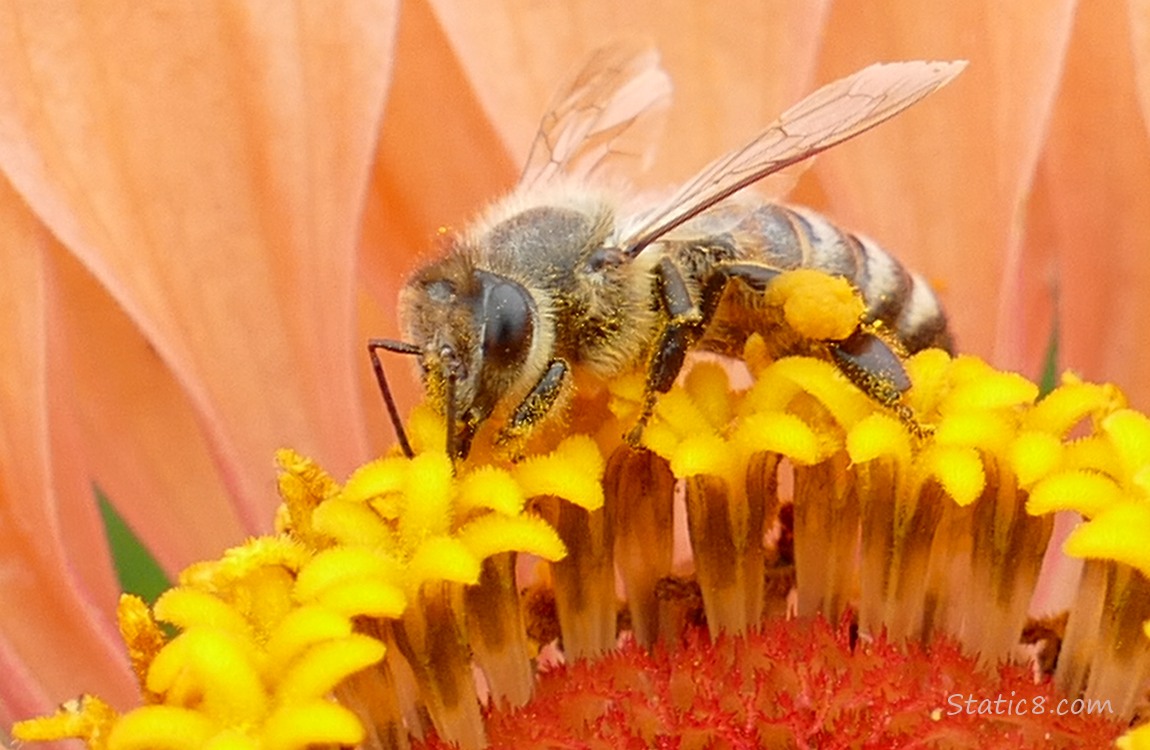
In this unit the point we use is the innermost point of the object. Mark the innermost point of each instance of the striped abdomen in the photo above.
(791, 237)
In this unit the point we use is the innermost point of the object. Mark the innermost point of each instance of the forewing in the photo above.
(831, 115)
(602, 119)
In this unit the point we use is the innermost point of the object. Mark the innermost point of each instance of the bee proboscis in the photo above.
(559, 276)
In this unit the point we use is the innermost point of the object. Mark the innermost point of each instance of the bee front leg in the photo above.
(688, 318)
(684, 322)
(537, 403)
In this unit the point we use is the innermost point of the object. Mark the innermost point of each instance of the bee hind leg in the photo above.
(876, 367)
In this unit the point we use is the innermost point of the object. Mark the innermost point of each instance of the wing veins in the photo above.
(832, 114)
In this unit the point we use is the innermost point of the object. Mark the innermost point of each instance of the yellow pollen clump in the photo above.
(817, 305)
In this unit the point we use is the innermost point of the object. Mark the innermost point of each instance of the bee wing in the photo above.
(831, 115)
(591, 124)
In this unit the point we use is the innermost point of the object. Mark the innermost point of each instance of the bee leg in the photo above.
(756, 276)
(875, 366)
(684, 323)
(536, 403)
(872, 364)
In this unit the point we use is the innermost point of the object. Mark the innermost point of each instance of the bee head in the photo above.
(474, 330)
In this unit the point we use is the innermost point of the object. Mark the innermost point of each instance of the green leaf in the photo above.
(1048, 380)
(137, 569)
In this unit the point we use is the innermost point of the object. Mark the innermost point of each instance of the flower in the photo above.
(138, 141)
(379, 597)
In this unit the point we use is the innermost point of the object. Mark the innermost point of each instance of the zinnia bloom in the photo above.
(206, 210)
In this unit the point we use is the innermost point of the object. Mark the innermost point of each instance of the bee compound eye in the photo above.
(507, 322)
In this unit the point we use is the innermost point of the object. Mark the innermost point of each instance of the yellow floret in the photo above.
(572, 471)
(442, 558)
(1033, 455)
(238, 563)
(379, 478)
(1119, 532)
(350, 522)
(214, 672)
(300, 629)
(317, 723)
(368, 597)
(986, 430)
(492, 534)
(979, 388)
(929, 373)
(879, 435)
(710, 389)
(429, 491)
(1070, 403)
(702, 454)
(781, 433)
(1129, 434)
(142, 636)
(323, 666)
(679, 411)
(779, 384)
(354, 581)
(1086, 492)
(186, 608)
(491, 488)
(1092, 453)
(162, 728)
(1135, 739)
(958, 470)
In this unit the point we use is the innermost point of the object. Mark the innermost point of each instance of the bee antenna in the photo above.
(399, 347)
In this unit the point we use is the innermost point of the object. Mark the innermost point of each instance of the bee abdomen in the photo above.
(900, 299)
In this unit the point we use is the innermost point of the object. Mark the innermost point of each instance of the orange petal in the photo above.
(734, 65)
(207, 165)
(1096, 172)
(138, 432)
(439, 162)
(58, 591)
(944, 185)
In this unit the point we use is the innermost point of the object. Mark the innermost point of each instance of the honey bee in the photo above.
(558, 276)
